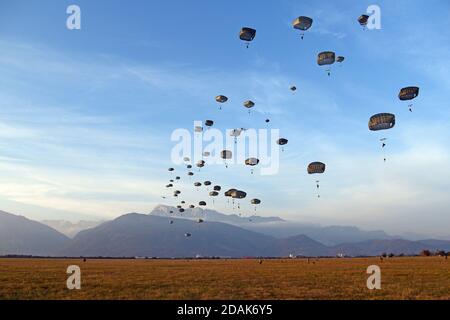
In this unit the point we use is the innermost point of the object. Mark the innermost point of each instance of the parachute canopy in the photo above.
(197, 184)
(226, 154)
(171, 169)
(247, 34)
(198, 129)
(408, 93)
(363, 19)
(251, 161)
(221, 99)
(293, 88)
(213, 193)
(282, 141)
(249, 104)
(236, 132)
(255, 201)
(207, 183)
(209, 123)
(190, 173)
(326, 58)
(202, 203)
(340, 59)
(217, 188)
(302, 23)
(200, 163)
(186, 159)
(381, 121)
(316, 167)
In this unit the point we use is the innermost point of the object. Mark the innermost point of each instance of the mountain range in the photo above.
(164, 233)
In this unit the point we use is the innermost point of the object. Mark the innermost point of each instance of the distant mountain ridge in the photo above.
(19, 235)
(167, 237)
(71, 229)
(210, 215)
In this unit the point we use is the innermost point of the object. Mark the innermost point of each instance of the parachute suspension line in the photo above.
(318, 187)
(383, 146)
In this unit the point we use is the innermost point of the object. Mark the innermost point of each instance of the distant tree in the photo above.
(384, 255)
(425, 253)
(441, 253)
(391, 255)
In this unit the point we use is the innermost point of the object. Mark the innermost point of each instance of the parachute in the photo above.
(236, 133)
(186, 159)
(213, 194)
(200, 221)
(200, 164)
(171, 169)
(326, 58)
(302, 23)
(255, 202)
(209, 123)
(408, 93)
(316, 168)
(197, 184)
(381, 121)
(187, 235)
(247, 34)
(189, 166)
(293, 88)
(206, 154)
(198, 129)
(202, 203)
(221, 99)
(225, 155)
(249, 104)
(282, 142)
(207, 183)
(340, 59)
(181, 210)
(169, 185)
(177, 178)
(190, 173)
(252, 162)
(363, 19)
(192, 206)
(217, 188)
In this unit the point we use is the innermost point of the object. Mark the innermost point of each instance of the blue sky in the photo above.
(86, 115)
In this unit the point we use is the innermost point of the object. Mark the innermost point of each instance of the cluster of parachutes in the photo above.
(325, 59)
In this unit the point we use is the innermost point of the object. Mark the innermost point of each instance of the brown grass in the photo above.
(402, 278)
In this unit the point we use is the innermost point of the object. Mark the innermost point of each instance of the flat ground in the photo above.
(401, 278)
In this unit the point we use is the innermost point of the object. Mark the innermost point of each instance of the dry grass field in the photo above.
(402, 278)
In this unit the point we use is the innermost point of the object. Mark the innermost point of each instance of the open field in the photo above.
(402, 278)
